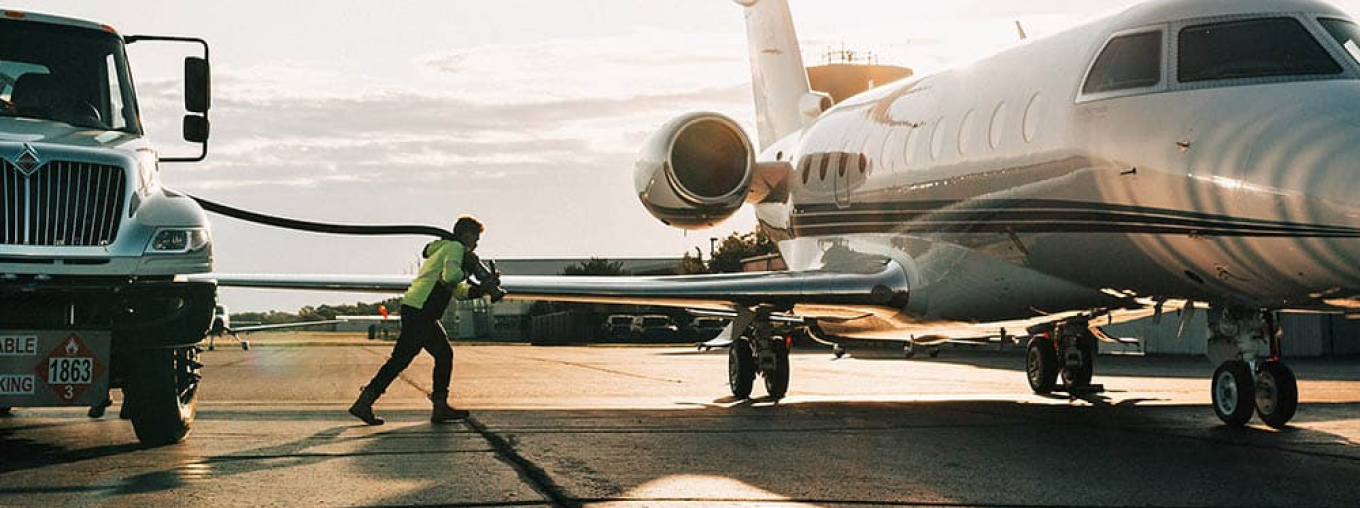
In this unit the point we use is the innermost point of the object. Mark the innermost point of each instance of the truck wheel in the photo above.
(165, 397)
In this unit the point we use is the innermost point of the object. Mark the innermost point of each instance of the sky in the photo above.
(527, 114)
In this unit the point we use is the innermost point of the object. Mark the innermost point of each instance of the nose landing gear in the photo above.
(1245, 344)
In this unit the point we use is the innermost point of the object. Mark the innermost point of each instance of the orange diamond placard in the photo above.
(70, 368)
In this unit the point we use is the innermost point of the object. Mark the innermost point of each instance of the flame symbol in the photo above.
(72, 348)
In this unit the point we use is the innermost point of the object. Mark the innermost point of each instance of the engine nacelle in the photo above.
(696, 171)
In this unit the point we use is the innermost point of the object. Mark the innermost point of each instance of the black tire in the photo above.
(165, 396)
(1041, 365)
(1233, 393)
(1080, 375)
(741, 369)
(777, 381)
(1277, 394)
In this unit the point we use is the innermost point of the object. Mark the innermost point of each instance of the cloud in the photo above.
(273, 131)
(640, 62)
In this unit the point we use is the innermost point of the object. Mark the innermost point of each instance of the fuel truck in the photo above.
(94, 250)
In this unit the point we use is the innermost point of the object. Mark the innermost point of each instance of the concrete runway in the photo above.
(647, 426)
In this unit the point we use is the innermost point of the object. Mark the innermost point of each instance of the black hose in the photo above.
(319, 227)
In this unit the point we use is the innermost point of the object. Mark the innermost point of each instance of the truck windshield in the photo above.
(72, 75)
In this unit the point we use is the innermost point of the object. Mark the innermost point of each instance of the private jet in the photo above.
(1187, 155)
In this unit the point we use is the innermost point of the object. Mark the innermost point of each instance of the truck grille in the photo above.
(61, 204)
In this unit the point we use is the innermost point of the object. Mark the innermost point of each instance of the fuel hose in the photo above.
(321, 227)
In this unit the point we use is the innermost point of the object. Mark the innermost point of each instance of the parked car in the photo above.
(617, 326)
(654, 327)
(706, 328)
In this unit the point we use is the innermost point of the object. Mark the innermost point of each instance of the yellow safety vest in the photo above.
(443, 263)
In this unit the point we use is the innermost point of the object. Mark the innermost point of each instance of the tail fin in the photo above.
(784, 101)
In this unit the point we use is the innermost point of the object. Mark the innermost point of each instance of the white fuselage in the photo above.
(1007, 192)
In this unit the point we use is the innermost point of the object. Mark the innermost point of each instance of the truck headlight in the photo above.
(178, 240)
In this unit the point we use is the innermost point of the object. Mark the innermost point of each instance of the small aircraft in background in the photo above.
(221, 327)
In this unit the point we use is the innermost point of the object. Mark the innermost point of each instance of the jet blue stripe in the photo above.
(1046, 215)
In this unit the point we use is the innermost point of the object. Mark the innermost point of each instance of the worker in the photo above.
(441, 278)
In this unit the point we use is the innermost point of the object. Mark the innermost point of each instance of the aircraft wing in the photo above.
(281, 326)
(881, 287)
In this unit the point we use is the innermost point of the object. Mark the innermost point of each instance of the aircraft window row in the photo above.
(1346, 33)
(824, 160)
(1251, 49)
(1130, 61)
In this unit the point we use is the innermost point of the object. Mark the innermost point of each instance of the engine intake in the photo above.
(695, 171)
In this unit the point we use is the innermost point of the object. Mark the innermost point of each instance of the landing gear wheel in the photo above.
(245, 345)
(909, 351)
(838, 351)
(741, 369)
(1041, 365)
(165, 398)
(1277, 394)
(1080, 373)
(777, 380)
(1233, 393)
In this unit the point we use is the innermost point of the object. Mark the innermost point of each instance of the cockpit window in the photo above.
(1346, 33)
(1130, 61)
(1251, 49)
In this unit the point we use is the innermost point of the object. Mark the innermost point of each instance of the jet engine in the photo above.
(696, 171)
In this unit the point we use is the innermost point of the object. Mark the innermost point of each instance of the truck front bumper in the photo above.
(140, 313)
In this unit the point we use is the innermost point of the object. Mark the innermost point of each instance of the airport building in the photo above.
(509, 320)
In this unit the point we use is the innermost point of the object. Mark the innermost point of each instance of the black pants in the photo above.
(419, 330)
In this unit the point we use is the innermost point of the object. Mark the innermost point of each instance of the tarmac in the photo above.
(654, 426)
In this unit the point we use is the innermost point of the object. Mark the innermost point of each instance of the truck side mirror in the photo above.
(197, 93)
(197, 86)
(196, 128)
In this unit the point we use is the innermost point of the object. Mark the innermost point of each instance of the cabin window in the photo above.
(1251, 49)
(1129, 61)
(1346, 33)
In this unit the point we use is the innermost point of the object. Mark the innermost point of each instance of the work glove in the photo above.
(476, 291)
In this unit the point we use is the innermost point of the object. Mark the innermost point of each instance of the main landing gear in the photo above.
(1067, 350)
(1245, 344)
(757, 350)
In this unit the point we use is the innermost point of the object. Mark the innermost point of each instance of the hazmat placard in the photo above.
(54, 368)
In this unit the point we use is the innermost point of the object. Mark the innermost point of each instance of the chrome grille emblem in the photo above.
(27, 161)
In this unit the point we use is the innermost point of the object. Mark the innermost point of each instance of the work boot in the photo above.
(363, 408)
(442, 413)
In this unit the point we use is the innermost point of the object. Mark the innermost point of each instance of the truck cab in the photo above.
(93, 247)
